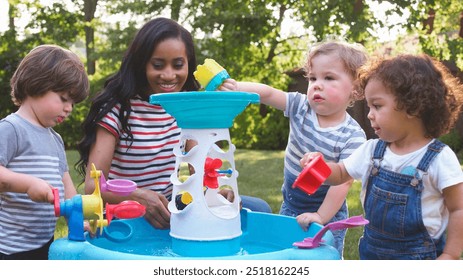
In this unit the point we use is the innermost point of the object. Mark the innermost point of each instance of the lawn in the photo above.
(260, 175)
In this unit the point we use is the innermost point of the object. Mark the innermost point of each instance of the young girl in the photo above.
(318, 121)
(412, 184)
(46, 85)
(127, 137)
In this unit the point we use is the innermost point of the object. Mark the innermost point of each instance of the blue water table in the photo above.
(203, 223)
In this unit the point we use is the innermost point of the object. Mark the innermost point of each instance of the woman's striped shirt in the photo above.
(148, 160)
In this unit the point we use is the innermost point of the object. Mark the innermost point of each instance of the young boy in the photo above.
(45, 86)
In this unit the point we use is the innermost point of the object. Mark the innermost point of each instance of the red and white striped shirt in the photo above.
(148, 160)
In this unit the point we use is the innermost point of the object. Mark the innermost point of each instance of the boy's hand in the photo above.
(308, 157)
(229, 85)
(305, 219)
(40, 191)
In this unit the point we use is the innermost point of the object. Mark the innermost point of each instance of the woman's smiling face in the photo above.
(167, 70)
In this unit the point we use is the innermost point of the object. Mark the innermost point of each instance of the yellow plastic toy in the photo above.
(90, 207)
(94, 204)
(210, 75)
(182, 199)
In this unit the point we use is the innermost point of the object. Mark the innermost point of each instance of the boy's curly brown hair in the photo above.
(422, 86)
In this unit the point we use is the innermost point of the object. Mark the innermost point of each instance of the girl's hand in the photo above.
(229, 85)
(305, 219)
(308, 157)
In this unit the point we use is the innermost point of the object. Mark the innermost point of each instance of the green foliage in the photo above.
(48, 25)
(252, 131)
(453, 140)
(45, 20)
(70, 130)
(347, 18)
(11, 53)
(245, 36)
(443, 41)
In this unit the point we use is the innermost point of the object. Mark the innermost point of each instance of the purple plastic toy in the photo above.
(314, 242)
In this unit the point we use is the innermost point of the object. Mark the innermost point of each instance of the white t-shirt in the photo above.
(444, 171)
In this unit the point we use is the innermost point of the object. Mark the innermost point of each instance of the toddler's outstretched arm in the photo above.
(268, 95)
(331, 204)
(339, 173)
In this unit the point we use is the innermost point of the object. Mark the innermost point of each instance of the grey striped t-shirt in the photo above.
(335, 143)
(25, 148)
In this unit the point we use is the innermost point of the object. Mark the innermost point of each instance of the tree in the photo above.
(245, 36)
(89, 15)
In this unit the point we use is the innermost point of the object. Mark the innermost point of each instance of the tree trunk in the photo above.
(11, 16)
(89, 15)
(461, 25)
(430, 21)
(175, 8)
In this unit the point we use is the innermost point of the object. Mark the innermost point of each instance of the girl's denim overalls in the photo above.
(393, 207)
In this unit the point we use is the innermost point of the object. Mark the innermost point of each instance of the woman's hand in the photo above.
(228, 194)
(157, 213)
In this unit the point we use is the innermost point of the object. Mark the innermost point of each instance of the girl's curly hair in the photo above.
(422, 86)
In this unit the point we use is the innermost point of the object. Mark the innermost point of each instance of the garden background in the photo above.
(256, 40)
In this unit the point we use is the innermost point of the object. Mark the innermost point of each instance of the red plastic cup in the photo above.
(312, 176)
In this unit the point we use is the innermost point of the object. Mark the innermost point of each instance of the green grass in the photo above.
(260, 175)
(73, 157)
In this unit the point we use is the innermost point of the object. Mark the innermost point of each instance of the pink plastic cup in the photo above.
(312, 176)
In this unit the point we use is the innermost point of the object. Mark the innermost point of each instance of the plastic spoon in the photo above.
(313, 242)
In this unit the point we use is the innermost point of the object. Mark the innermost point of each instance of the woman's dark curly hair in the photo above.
(422, 86)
